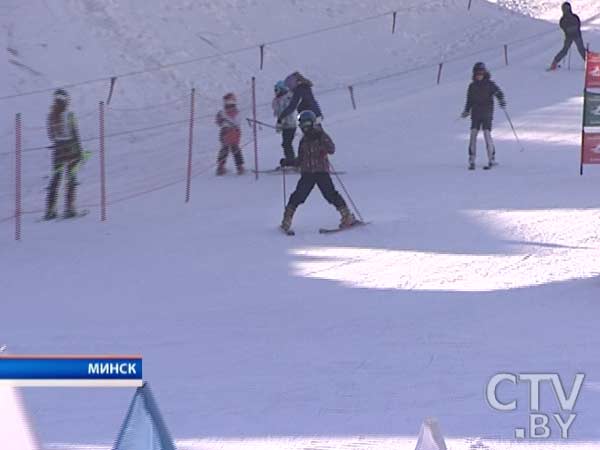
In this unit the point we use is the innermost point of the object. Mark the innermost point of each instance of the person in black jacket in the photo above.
(303, 98)
(571, 26)
(480, 105)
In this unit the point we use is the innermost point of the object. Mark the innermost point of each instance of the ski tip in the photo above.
(358, 223)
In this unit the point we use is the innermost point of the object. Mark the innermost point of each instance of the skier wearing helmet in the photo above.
(303, 98)
(480, 105)
(228, 121)
(66, 154)
(571, 26)
(287, 125)
(313, 151)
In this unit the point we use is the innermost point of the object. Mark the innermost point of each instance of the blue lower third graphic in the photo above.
(71, 370)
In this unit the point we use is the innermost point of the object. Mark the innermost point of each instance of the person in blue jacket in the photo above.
(303, 98)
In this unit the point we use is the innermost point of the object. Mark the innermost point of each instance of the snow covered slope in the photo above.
(348, 340)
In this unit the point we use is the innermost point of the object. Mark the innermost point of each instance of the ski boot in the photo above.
(70, 213)
(347, 218)
(241, 170)
(50, 214)
(221, 170)
(288, 215)
(471, 166)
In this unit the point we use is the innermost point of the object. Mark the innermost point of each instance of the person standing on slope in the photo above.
(480, 105)
(66, 154)
(303, 98)
(228, 120)
(313, 151)
(571, 26)
(287, 125)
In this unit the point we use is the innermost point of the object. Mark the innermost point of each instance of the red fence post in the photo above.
(18, 149)
(254, 127)
(351, 89)
(102, 166)
(190, 145)
(506, 54)
(394, 22)
(439, 75)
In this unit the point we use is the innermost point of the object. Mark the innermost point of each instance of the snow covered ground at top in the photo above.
(339, 341)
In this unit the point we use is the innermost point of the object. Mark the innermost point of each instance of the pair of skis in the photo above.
(79, 214)
(290, 170)
(486, 167)
(358, 223)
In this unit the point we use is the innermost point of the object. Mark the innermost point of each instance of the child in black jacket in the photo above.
(480, 105)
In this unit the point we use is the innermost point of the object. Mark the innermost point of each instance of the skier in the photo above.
(314, 147)
(66, 154)
(480, 105)
(228, 121)
(571, 26)
(303, 98)
(287, 125)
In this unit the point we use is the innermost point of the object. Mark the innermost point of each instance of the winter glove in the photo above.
(465, 114)
(503, 104)
(278, 127)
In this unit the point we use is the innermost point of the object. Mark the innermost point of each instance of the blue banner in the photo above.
(70, 368)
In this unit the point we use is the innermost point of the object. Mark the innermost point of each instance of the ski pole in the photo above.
(347, 193)
(284, 187)
(258, 122)
(513, 130)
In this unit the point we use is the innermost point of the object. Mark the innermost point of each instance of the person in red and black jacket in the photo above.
(571, 26)
(313, 162)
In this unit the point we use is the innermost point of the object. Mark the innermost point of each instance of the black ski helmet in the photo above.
(306, 119)
(60, 95)
(479, 67)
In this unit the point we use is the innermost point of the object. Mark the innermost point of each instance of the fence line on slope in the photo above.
(361, 83)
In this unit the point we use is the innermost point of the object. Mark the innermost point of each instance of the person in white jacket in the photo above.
(286, 126)
(66, 154)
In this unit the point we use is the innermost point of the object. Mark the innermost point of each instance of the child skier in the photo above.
(314, 147)
(66, 154)
(287, 125)
(228, 121)
(480, 105)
